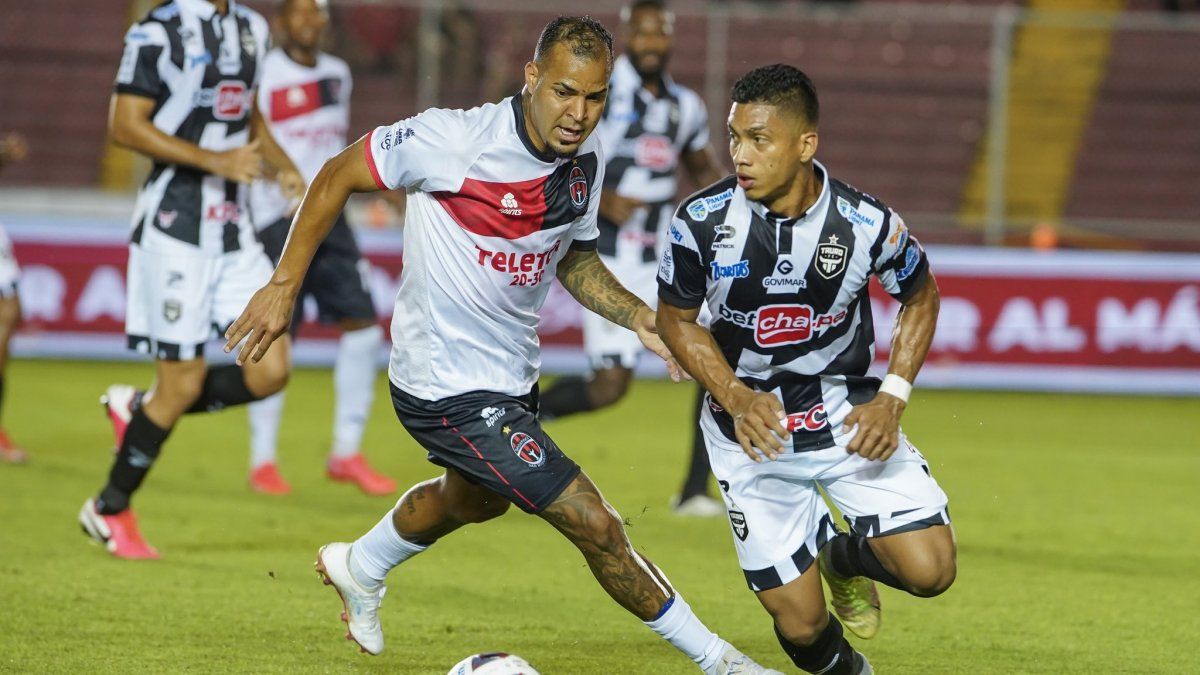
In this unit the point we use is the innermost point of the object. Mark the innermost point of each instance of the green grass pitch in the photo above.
(1077, 521)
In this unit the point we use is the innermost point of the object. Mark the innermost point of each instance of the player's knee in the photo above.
(801, 629)
(933, 577)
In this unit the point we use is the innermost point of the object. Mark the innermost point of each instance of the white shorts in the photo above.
(179, 300)
(779, 519)
(10, 272)
(606, 344)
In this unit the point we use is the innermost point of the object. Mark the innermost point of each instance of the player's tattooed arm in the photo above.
(590, 523)
(589, 281)
(269, 312)
(756, 415)
(878, 421)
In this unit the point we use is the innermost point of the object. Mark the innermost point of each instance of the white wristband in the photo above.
(896, 386)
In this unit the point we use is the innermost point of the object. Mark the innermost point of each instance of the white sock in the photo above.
(378, 551)
(679, 626)
(264, 429)
(354, 387)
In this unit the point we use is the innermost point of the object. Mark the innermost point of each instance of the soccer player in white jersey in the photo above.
(184, 97)
(12, 149)
(501, 198)
(782, 255)
(305, 96)
(651, 127)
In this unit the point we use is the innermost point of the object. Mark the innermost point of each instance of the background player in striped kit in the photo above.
(305, 96)
(12, 149)
(782, 255)
(184, 97)
(651, 127)
(501, 199)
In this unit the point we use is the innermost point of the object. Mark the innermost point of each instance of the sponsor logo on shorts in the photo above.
(740, 527)
(738, 270)
(527, 449)
(492, 415)
(813, 419)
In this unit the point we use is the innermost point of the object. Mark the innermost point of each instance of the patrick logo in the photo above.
(578, 187)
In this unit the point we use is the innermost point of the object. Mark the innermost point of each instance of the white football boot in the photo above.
(360, 605)
(734, 662)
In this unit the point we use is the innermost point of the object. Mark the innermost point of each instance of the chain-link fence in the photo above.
(986, 122)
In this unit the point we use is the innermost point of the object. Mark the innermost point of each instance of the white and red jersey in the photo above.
(309, 113)
(487, 221)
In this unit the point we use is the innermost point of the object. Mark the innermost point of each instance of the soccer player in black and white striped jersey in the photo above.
(781, 254)
(184, 97)
(652, 128)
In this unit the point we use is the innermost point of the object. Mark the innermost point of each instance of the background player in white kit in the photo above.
(12, 149)
(305, 96)
(184, 97)
(652, 127)
(500, 199)
(785, 361)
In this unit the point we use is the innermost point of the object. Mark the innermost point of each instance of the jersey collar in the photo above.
(523, 133)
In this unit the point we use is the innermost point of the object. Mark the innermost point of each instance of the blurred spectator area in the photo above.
(905, 88)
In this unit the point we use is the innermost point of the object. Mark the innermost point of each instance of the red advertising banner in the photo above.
(1010, 318)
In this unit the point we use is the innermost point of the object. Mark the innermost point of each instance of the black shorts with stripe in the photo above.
(493, 440)
(336, 278)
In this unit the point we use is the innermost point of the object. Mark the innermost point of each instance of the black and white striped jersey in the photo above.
(788, 297)
(643, 137)
(201, 69)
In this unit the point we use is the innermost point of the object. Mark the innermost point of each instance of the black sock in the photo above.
(567, 396)
(140, 447)
(696, 482)
(830, 654)
(850, 555)
(224, 386)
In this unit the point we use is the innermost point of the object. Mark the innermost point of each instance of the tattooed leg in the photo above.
(595, 528)
(439, 506)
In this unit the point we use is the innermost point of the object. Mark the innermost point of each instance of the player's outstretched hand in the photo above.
(647, 332)
(266, 317)
(878, 422)
(242, 164)
(758, 424)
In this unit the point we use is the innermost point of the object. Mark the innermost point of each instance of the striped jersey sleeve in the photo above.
(682, 280)
(139, 73)
(901, 264)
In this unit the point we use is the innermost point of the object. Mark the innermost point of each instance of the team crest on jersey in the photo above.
(831, 258)
(527, 449)
(172, 310)
(578, 187)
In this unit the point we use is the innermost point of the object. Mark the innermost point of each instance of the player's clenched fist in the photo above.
(878, 422)
(266, 317)
(758, 424)
(242, 164)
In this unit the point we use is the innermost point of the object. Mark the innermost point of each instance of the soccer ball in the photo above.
(494, 663)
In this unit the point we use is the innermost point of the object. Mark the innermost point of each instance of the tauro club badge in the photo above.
(831, 258)
(527, 449)
(577, 185)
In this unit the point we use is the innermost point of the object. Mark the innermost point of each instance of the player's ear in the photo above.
(531, 75)
(807, 144)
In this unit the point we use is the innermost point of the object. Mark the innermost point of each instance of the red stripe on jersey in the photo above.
(507, 210)
(371, 160)
(287, 102)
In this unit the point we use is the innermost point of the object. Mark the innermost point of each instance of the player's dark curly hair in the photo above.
(583, 35)
(779, 85)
